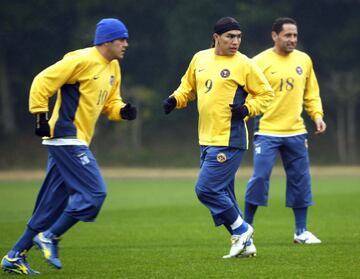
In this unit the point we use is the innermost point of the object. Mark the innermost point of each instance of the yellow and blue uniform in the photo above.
(295, 85)
(281, 128)
(216, 82)
(86, 85)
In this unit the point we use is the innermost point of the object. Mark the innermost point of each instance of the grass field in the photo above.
(156, 228)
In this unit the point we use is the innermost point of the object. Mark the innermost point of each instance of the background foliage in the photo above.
(163, 37)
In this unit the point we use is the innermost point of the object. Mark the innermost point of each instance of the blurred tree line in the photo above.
(164, 34)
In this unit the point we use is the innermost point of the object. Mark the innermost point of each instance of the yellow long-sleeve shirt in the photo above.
(217, 81)
(293, 79)
(86, 84)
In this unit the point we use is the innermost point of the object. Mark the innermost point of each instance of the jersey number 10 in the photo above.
(102, 97)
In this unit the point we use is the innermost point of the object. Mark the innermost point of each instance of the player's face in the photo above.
(286, 40)
(227, 43)
(117, 48)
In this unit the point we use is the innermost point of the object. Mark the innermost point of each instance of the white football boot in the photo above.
(306, 238)
(239, 242)
(250, 250)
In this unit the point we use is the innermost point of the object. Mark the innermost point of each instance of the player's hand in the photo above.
(320, 126)
(239, 112)
(169, 104)
(42, 128)
(128, 112)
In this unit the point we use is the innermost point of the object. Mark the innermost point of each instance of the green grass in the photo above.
(158, 229)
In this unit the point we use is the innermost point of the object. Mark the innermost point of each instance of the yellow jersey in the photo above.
(218, 81)
(86, 84)
(295, 85)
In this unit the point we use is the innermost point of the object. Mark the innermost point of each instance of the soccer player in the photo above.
(87, 82)
(281, 129)
(220, 78)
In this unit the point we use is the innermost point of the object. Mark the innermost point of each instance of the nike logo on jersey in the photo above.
(200, 70)
(95, 77)
(273, 73)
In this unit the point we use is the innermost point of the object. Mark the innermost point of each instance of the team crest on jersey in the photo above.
(112, 79)
(225, 73)
(221, 157)
(299, 70)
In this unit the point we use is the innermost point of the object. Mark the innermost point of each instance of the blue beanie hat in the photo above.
(109, 29)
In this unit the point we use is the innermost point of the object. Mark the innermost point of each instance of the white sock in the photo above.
(238, 222)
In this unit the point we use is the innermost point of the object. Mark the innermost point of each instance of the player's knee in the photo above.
(99, 200)
(258, 180)
(96, 202)
(201, 193)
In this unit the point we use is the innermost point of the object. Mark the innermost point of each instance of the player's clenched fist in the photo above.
(42, 128)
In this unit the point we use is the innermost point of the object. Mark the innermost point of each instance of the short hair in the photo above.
(279, 22)
(225, 20)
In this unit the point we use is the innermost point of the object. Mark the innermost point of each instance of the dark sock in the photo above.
(25, 242)
(64, 223)
(229, 216)
(250, 210)
(228, 228)
(300, 219)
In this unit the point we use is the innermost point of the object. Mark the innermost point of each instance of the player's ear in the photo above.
(215, 39)
(274, 35)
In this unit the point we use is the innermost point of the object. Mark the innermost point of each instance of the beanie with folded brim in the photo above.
(110, 29)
